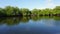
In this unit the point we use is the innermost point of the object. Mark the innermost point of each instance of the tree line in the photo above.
(15, 11)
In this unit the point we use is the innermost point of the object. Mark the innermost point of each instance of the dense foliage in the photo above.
(15, 11)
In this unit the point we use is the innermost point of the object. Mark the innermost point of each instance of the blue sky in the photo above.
(30, 4)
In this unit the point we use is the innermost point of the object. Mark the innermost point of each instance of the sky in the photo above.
(30, 4)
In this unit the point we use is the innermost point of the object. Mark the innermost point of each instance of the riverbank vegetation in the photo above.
(15, 11)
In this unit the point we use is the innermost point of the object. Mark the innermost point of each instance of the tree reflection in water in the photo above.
(17, 20)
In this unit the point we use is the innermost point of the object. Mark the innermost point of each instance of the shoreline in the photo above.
(29, 15)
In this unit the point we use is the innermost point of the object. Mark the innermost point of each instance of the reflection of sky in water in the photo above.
(43, 26)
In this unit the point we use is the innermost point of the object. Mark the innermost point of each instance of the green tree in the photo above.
(8, 10)
(46, 11)
(2, 12)
(16, 11)
(36, 11)
(56, 10)
(25, 11)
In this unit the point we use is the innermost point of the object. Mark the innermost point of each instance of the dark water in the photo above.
(30, 25)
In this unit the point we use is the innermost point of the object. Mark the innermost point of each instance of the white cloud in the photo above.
(50, 3)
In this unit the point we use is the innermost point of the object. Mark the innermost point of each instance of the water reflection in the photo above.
(30, 25)
(17, 20)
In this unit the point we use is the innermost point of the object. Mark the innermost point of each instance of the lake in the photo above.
(30, 25)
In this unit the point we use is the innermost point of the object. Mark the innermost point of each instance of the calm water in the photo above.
(30, 25)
